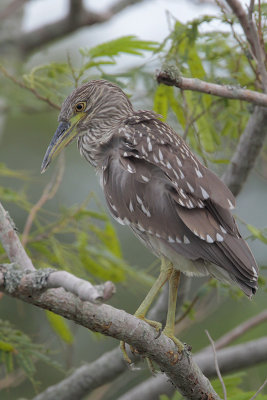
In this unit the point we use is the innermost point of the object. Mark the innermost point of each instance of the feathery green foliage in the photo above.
(18, 351)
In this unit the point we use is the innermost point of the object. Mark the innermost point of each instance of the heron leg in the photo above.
(165, 273)
(170, 321)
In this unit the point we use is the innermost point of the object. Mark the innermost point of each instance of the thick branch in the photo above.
(106, 368)
(231, 359)
(247, 151)
(230, 92)
(180, 368)
(251, 33)
(72, 22)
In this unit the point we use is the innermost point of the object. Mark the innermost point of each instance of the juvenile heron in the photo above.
(154, 184)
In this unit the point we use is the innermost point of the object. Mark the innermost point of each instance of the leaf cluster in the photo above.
(212, 55)
(17, 351)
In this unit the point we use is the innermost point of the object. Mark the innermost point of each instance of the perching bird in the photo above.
(154, 184)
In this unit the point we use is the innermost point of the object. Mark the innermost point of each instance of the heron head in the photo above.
(94, 101)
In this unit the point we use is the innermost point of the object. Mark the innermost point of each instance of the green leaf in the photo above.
(125, 44)
(8, 347)
(93, 214)
(13, 196)
(59, 326)
(4, 171)
(161, 101)
(111, 240)
(257, 233)
(175, 106)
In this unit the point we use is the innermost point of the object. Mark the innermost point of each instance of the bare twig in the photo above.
(217, 365)
(240, 330)
(81, 288)
(32, 90)
(48, 193)
(251, 33)
(39, 37)
(197, 85)
(10, 241)
(189, 308)
(259, 390)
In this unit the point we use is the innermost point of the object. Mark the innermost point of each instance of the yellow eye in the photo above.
(79, 107)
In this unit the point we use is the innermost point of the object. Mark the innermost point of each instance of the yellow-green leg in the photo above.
(165, 273)
(170, 322)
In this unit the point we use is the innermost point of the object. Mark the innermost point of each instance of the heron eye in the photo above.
(79, 107)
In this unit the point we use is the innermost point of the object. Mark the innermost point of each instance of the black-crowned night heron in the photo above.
(154, 184)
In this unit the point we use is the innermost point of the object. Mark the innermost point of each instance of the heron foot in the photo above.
(155, 324)
(124, 353)
(180, 346)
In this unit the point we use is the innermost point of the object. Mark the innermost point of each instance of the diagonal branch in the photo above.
(10, 241)
(110, 365)
(39, 37)
(180, 367)
(169, 78)
(231, 359)
(252, 36)
(12, 7)
(247, 151)
(30, 89)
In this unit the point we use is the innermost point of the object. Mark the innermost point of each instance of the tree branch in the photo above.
(238, 331)
(73, 21)
(30, 89)
(231, 359)
(48, 193)
(170, 78)
(252, 36)
(247, 151)
(11, 243)
(217, 368)
(51, 279)
(180, 368)
(110, 365)
(12, 7)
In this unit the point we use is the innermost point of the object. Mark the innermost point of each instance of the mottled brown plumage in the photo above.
(154, 184)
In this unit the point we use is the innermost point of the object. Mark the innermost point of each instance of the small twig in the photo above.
(250, 30)
(192, 120)
(32, 90)
(48, 193)
(11, 243)
(217, 365)
(189, 308)
(197, 85)
(241, 329)
(259, 390)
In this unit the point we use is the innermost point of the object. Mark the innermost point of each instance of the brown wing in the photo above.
(180, 202)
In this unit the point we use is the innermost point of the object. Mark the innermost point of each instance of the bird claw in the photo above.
(125, 355)
(180, 346)
(155, 324)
